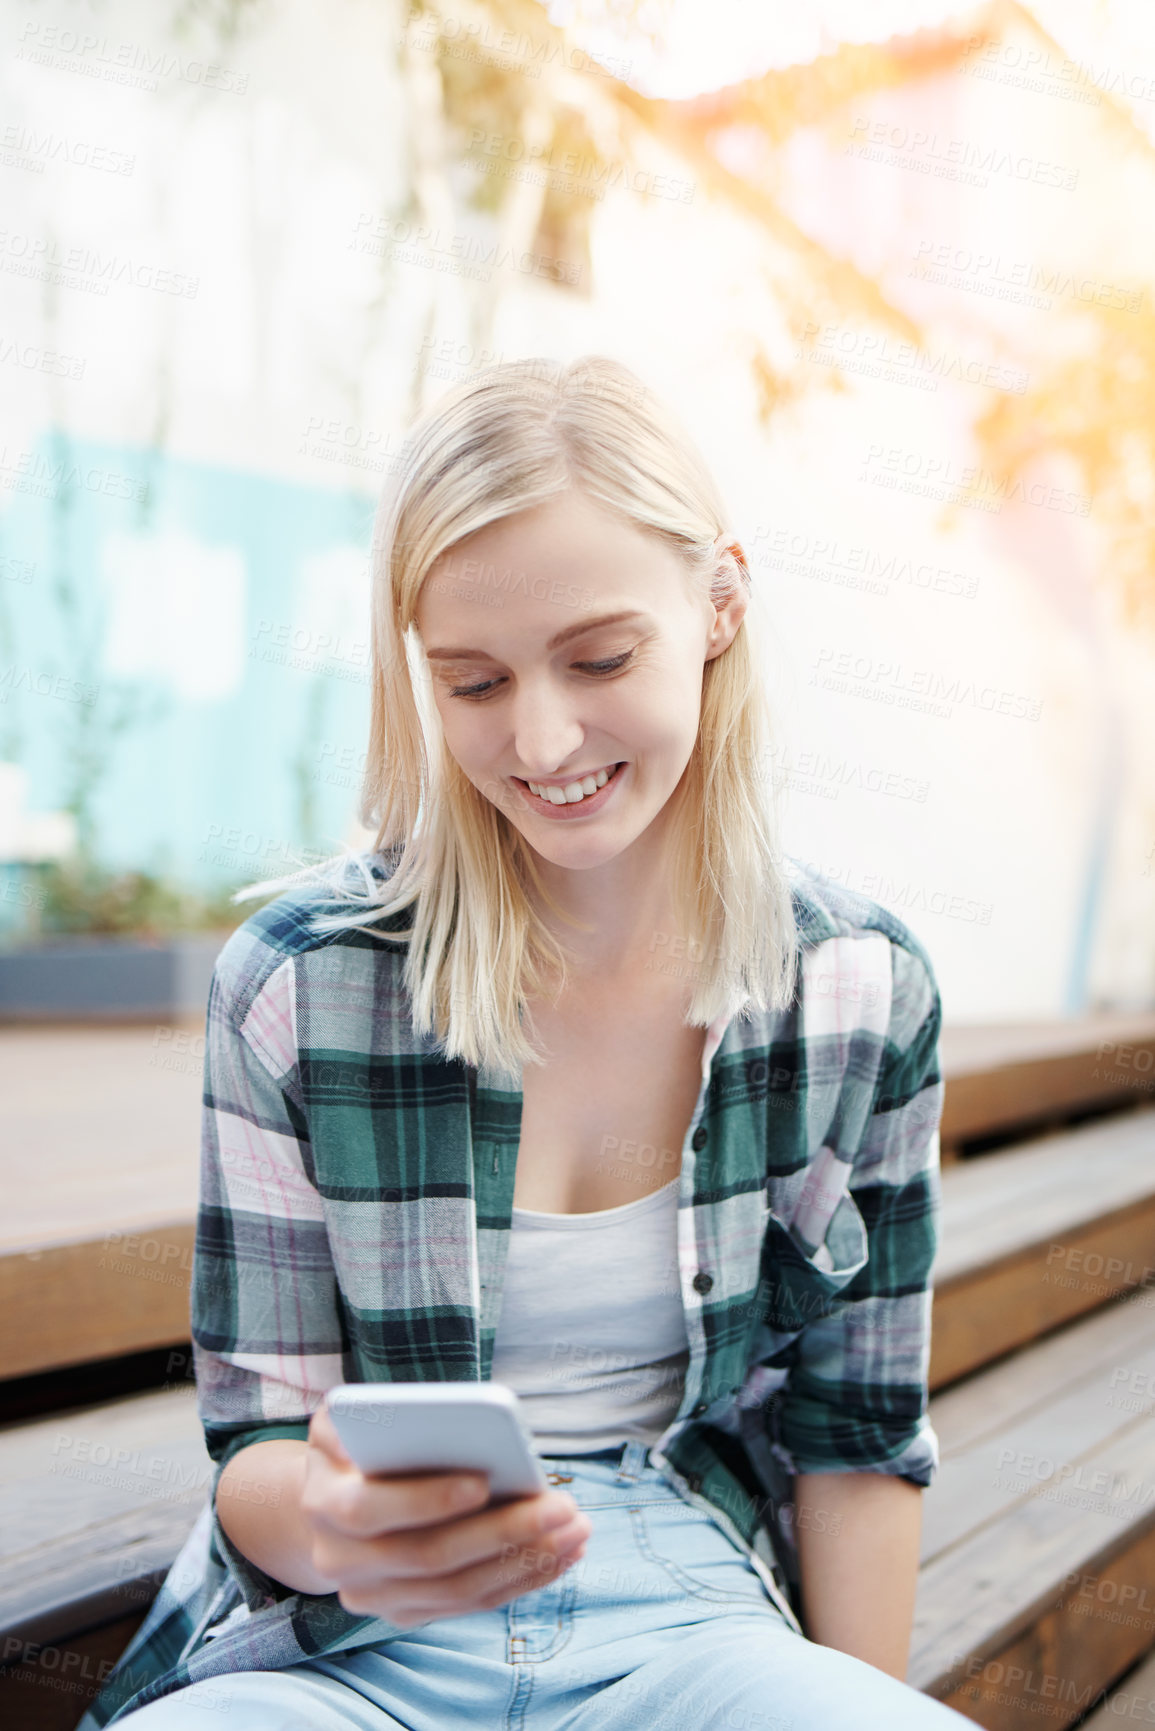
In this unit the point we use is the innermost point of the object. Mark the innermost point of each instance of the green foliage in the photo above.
(81, 896)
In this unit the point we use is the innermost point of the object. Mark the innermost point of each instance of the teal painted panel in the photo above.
(183, 656)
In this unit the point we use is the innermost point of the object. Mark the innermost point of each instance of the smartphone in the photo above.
(430, 1427)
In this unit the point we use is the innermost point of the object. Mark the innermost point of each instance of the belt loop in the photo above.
(632, 1461)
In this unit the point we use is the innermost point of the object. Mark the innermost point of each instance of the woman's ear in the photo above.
(730, 556)
(739, 557)
(730, 605)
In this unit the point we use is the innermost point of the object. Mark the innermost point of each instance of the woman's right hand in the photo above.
(417, 1548)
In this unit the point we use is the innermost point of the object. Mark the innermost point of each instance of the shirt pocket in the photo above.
(799, 1283)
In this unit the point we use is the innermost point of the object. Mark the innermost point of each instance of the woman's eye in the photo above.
(471, 690)
(597, 668)
(610, 666)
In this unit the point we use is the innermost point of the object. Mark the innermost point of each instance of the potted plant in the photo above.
(95, 944)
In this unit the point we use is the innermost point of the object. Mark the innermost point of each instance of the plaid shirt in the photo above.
(355, 1207)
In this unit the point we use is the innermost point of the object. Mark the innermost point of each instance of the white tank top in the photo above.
(592, 1334)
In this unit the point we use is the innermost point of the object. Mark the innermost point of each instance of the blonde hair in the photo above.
(511, 437)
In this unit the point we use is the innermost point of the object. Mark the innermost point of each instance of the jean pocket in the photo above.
(694, 1556)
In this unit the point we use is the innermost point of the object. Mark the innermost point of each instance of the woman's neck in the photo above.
(626, 906)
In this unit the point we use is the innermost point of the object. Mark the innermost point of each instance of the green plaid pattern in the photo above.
(355, 1207)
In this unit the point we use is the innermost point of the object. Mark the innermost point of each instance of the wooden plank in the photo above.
(99, 1180)
(969, 1047)
(80, 1580)
(1085, 1400)
(1065, 1661)
(996, 1207)
(1132, 1700)
(102, 1131)
(1043, 1559)
(47, 1688)
(1037, 1579)
(1004, 1393)
(94, 1505)
(1027, 1243)
(1001, 1077)
(1003, 1308)
(122, 1293)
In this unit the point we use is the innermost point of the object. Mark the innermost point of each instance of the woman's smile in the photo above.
(582, 796)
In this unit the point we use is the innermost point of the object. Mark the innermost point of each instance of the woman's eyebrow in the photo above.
(555, 642)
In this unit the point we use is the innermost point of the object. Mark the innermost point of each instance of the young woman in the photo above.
(570, 1083)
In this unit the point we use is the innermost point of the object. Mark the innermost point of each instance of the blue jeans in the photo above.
(663, 1623)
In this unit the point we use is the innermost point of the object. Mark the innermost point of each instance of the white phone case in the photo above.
(428, 1427)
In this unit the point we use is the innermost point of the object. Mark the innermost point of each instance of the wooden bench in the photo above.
(100, 1191)
(1030, 1076)
(1037, 1582)
(1037, 1587)
(96, 1264)
(1131, 1702)
(94, 1506)
(1036, 1235)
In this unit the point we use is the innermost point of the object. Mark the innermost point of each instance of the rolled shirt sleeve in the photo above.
(856, 1397)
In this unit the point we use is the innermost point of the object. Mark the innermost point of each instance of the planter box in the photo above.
(108, 979)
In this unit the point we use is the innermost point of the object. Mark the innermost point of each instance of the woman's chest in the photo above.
(605, 1116)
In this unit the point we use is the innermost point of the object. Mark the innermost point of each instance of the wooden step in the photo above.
(1036, 1235)
(1001, 1079)
(48, 1688)
(92, 1502)
(100, 1186)
(100, 1180)
(1131, 1702)
(1037, 1582)
(94, 1506)
(1037, 1579)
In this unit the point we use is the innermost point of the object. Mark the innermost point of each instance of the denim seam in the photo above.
(683, 1578)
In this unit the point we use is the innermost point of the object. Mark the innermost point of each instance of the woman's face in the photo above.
(537, 687)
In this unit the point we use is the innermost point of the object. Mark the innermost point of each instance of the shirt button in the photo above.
(699, 1139)
(703, 1281)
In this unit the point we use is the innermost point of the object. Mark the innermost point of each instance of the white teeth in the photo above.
(574, 790)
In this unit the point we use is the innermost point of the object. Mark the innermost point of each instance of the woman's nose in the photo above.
(547, 730)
